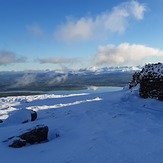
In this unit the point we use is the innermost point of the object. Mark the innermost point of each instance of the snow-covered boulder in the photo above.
(18, 143)
(32, 136)
(36, 135)
(151, 81)
(21, 116)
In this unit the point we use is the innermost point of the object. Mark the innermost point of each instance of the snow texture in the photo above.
(155, 69)
(115, 127)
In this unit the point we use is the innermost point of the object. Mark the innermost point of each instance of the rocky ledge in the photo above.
(150, 79)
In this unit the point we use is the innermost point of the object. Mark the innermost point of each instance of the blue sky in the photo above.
(56, 34)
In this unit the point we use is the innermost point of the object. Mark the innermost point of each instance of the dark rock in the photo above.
(25, 121)
(1, 121)
(57, 135)
(150, 80)
(33, 115)
(18, 143)
(135, 80)
(37, 135)
(160, 97)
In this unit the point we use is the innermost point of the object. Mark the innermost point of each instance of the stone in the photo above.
(33, 136)
(33, 115)
(36, 135)
(21, 116)
(18, 143)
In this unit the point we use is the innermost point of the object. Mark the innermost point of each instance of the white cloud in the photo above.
(56, 79)
(7, 57)
(127, 54)
(35, 29)
(25, 80)
(87, 28)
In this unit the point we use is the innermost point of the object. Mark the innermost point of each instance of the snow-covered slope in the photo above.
(115, 127)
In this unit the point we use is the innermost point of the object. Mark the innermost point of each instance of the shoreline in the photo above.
(58, 91)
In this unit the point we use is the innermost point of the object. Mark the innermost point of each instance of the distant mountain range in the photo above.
(48, 80)
(88, 70)
(104, 70)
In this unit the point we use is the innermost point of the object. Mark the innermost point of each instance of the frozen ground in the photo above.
(115, 127)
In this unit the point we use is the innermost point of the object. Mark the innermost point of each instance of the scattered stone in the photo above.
(57, 135)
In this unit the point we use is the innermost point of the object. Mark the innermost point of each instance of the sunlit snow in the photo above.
(113, 127)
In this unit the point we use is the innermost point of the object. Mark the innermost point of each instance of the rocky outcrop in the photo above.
(37, 135)
(150, 80)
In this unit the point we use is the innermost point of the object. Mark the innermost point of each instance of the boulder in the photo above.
(1, 121)
(37, 135)
(33, 115)
(18, 143)
(21, 116)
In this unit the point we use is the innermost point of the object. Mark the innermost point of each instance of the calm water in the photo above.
(92, 89)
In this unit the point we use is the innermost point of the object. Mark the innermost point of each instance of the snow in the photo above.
(112, 127)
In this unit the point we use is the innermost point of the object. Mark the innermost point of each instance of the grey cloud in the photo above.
(7, 57)
(56, 60)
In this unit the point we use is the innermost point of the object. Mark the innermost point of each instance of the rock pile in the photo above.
(150, 80)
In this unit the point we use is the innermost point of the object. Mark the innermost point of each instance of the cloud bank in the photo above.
(7, 57)
(126, 54)
(57, 60)
(25, 80)
(104, 24)
(55, 79)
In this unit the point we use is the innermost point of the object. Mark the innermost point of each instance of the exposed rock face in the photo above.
(36, 135)
(151, 81)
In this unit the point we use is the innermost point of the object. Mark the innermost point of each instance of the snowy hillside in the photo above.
(115, 127)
